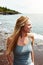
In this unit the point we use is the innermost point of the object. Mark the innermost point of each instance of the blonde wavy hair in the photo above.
(16, 33)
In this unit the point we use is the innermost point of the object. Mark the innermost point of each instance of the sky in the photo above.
(24, 6)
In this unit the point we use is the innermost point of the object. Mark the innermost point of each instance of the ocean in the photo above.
(7, 23)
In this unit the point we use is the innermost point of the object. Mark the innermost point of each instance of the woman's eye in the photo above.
(29, 24)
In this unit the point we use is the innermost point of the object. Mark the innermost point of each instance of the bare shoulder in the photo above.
(9, 39)
(31, 35)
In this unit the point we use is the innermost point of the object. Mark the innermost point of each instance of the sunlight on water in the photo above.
(38, 36)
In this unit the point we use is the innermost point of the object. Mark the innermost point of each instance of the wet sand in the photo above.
(38, 53)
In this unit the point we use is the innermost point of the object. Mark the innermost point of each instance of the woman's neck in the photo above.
(23, 34)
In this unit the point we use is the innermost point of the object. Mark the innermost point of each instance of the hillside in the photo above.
(4, 11)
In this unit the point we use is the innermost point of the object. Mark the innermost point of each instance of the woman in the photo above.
(21, 42)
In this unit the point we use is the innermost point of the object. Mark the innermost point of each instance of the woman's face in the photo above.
(28, 26)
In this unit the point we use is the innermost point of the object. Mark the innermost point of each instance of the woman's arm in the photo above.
(32, 53)
(32, 39)
(8, 42)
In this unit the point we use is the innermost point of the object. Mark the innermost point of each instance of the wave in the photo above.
(38, 36)
(0, 23)
(4, 30)
(38, 39)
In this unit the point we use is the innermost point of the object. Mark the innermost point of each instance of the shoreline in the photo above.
(9, 13)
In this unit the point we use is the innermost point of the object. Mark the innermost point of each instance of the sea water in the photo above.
(7, 23)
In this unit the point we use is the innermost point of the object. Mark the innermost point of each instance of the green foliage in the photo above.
(5, 10)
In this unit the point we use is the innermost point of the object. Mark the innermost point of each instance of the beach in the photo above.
(38, 53)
